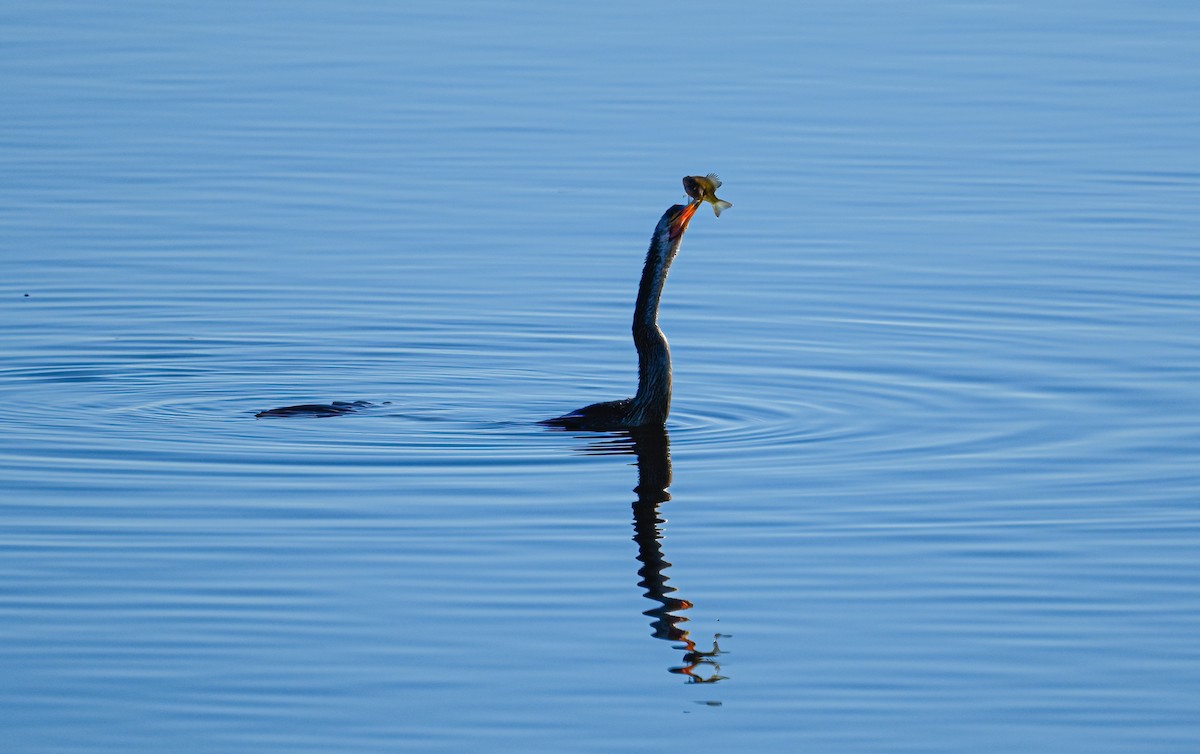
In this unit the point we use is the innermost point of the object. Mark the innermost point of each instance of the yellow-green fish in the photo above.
(704, 188)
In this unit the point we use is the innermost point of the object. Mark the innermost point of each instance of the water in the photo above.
(933, 455)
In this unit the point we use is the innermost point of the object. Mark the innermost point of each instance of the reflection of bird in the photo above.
(653, 449)
(652, 403)
(668, 620)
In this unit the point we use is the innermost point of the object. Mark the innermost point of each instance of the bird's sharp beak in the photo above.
(680, 223)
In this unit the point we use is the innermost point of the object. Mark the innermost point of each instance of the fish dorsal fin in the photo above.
(716, 182)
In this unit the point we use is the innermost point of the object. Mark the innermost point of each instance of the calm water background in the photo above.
(934, 447)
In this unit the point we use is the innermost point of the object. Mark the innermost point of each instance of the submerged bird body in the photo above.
(703, 188)
(652, 402)
(318, 410)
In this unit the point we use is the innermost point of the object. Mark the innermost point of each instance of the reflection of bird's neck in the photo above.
(654, 476)
(653, 400)
(653, 449)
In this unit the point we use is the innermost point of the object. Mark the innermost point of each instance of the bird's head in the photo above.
(675, 220)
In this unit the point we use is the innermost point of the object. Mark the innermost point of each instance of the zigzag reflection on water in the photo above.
(652, 448)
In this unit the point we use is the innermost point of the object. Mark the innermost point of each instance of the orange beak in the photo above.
(680, 223)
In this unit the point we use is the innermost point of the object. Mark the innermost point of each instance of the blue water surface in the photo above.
(930, 479)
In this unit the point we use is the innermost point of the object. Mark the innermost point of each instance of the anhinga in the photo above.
(653, 400)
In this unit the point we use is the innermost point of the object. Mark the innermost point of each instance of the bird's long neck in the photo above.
(653, 399)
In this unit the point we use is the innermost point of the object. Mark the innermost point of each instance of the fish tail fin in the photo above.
(720, 206)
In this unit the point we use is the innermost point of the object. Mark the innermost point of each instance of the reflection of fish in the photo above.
(704, 188)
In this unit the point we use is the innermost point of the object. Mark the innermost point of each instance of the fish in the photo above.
(703, 188)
